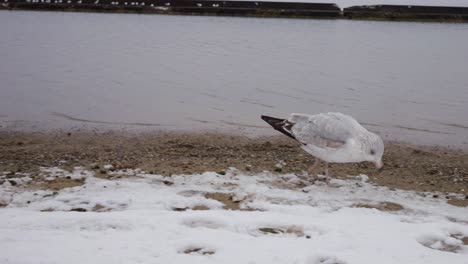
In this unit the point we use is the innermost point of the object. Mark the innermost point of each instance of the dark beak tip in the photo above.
(381, 169)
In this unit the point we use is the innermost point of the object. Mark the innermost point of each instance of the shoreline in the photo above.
(406, 13)
(408, 167)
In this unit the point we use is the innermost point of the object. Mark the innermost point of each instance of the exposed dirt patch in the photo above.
(200, 208)
(61, 183)
(465, 241)
(383, 206)
(100, 208)
(226, 199)
(327, 260)
(189, 193)
(450, 246)
(195, 208)
(270, 230)
(457, 202)
(201, 251)
(47, 210)
(294, 230)
(406, 166)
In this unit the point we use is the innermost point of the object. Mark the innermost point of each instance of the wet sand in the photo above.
(410, 167)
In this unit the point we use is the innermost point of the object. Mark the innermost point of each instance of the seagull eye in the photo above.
(372, 152)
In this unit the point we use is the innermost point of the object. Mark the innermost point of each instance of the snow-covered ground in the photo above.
(144, 218)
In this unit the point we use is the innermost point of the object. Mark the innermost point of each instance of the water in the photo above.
(406, 81)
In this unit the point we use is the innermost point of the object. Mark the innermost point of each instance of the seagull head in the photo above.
(374, 150)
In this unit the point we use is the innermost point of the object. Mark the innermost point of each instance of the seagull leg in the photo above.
(312, 171)
(327, 177)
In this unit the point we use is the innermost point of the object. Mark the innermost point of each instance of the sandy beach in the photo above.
(408, 167)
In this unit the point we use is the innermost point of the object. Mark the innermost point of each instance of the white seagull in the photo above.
(331, 137)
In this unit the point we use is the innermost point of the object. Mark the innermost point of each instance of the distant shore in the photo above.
(410, 167)
(248, 9)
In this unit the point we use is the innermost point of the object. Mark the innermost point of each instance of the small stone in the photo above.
(78, 210)
(416, 151)
(100, 208)
(13, 183)
(169, 183)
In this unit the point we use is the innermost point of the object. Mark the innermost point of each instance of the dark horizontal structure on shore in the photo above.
(234, 8)
(407, 12)
(247, 8)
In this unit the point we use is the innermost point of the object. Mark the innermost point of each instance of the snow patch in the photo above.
(150, 218)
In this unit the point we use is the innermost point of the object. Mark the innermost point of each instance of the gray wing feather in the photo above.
(330, 130)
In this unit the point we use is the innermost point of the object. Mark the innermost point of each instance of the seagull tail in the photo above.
(282, 125)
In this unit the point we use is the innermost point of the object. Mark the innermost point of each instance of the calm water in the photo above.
(407, 81)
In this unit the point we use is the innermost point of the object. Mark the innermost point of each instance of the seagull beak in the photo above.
(379, 165)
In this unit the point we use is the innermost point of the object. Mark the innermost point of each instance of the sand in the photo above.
(409, 167)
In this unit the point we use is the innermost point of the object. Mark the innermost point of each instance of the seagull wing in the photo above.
(327, 131)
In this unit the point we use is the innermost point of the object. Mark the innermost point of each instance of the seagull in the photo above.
(331, 137)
